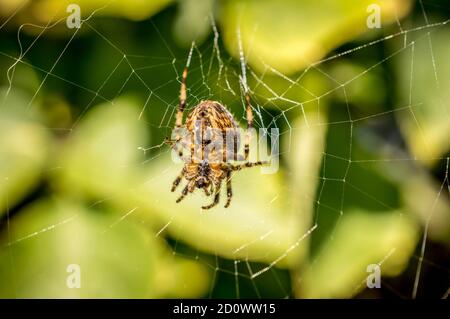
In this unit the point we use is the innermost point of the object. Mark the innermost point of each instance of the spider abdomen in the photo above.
(211, 114)
(214, 131)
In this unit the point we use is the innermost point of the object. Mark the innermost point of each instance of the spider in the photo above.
(207, 170)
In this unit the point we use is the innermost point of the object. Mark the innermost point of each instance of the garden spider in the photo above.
(206, 170)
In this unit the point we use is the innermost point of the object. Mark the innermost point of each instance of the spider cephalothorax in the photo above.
(212, 137)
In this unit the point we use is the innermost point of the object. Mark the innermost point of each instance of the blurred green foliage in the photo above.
(294, 35)
(84, 181)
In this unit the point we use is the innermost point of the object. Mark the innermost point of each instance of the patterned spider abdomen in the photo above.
(214, 133)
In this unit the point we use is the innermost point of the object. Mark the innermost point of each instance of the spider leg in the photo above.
(249, 125)
(183, 193)
(211, 189)
(188, 188)
(229, 189)
(191, 186)
(179, 117)
(174, 145)
(249, 116)
(216, 197)
(207, 193)
(247, 165)
(177, 181)
(182, 104)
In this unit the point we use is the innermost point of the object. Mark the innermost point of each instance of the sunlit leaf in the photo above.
(422, 195)
(44, 11)
(291, 34)
(193, 22)
(305, 162)
(296, 96)
(23, 150)
(115, 259)
(360, 239)
(424, 70)
(101, 156)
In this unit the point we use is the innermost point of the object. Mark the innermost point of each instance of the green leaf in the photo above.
(424, 73)
(421, 195)
(101, 157)
(23, 150)
(297, 97)
(52, 10)
(193, 21)
(360, 239)
(305, 162)
(290, 35)
(116, 259)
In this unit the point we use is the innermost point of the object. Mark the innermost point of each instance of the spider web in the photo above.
(214, 75)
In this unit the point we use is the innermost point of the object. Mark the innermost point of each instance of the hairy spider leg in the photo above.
(218, 186)
(189, 188)
(229, 189)
(247, 165)
(249, 125)
(177, 181)
(182, 103)
(179, 118)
